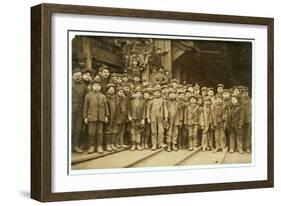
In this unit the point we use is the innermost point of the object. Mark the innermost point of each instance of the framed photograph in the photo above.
(130, 102)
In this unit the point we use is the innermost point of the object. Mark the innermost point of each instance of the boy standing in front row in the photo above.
(175, 118)
(95, 114)
(206, 123)
(236, 126)
(191, 117)
(157, 114)
(136, 117)
(220, 123)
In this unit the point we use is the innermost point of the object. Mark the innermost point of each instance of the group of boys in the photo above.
(156, 115)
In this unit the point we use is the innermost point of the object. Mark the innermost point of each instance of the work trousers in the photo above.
(96, 133)
(220, 140)
(157, 133)
(236, 139)
(192, 135)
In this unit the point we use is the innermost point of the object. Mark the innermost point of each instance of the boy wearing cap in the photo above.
(111, 126)
(157, 114)
(86, 81)
(95, 114)
(160, 77)
(237, 117)
(113, 78)
(104, 75)
(174, 83)
(220, 88)
(87, 78)
(227, 103)
(121, 119)
(147, 126)
(220, 123)
(125, 78)
(136, 117)
(206, 124)
(196, 91)
(78, 95)
(204, 92)
(175, 118)
(211, 95)
(236, 92)
(191, 121)
(246, 103)
(182, 137)
(165, 92)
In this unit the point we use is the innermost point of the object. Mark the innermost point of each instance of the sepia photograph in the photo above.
(131, 102)
(159, 102)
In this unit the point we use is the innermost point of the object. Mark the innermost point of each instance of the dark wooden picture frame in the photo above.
(41, 96)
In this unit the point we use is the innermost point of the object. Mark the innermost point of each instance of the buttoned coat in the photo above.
(112, 105)
(205, 119)
(136, 109)
(237, 116)
(78, 96)
(246, 104)
(95, 107)
(157, 110)
(175, 114)
(191, 115)
(121, 110)
(219, 115)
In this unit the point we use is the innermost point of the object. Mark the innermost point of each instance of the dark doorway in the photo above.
(216, 62)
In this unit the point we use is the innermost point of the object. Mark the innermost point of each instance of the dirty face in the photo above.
(157, 94)
(111, 90)
(196, 92)
(181, 96)
(136, 79)
(192, 100)
(125, 79)
(218, 100)
(96, 87)
(204, 93)
(120, 93)
(236, 92)
(200, 101)
(210, 93)
(105, 73)
(172, 95)
(127, 89)
(87, 77)
(146, 95)
(138, 95)
(76, 77)
(220, 90)
(234, 100)
(119, 80)
(187, 95)
(245, 94)
(225, 95)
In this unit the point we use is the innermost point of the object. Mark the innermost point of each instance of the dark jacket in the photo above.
(246, 104)
(112, 104)
(184, 104)
(136, 109)
(191, 115)
(95, 107)
(219, 115)
(121, 110)
(78, 96)
(237, 116)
